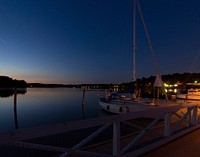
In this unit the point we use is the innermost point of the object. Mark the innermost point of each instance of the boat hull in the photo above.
(188, 96)
(113, 108)
(192, 94)
(121, 107)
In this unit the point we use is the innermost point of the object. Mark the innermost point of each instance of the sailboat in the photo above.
(119, 103)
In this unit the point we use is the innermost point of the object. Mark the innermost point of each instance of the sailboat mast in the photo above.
(134, 42)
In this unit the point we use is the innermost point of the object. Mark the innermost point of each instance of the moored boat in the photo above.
(124, 106)
(120, 103)
(192, 94)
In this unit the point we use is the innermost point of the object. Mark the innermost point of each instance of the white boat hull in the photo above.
(188, 96)
(121, 107)
(192, 94)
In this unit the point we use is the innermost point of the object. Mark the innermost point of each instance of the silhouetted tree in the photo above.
(7, 82)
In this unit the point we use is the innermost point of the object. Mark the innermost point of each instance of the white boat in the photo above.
(118, 103)
(124, 106)
(192, 94)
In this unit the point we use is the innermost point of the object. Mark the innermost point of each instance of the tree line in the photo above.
(184, 78)
(7, 82)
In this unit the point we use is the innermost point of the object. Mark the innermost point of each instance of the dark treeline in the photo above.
(7, 82)
(88, 86)
(41, 85)
(8, 86)
(184, 78)
(143, 83)
(171, 79)
(146, 84)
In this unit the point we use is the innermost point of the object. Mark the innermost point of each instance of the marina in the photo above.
(82, 79)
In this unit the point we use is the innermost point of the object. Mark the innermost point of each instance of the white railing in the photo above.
(170, 122)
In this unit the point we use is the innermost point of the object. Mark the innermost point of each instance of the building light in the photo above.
(166, 85)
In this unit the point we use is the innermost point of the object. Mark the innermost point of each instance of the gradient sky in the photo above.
(90, 41)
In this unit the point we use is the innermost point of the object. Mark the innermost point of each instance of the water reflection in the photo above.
(7, 92)
(43, 106)
(15, 110)
(83, 100)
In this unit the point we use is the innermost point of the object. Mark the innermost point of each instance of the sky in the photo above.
(91, 41)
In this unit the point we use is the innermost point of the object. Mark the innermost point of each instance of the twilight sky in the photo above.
(90, 41)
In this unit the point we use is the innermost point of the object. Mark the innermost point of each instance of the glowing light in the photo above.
(166, 85)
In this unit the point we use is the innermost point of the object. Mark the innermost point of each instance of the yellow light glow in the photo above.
(166, 85)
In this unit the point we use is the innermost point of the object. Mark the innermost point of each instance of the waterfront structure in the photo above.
(112, 136)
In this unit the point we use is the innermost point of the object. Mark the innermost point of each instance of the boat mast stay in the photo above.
(158, 76)
(148, 38)
(134, 42)
(134, 51)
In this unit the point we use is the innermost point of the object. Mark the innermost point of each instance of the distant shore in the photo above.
(146, 84)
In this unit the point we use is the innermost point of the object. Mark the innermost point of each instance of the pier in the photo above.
(125, 135)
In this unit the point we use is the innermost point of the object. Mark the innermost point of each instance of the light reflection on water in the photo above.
(41, 106)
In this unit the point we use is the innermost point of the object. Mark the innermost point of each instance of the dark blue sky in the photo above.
(90, 41)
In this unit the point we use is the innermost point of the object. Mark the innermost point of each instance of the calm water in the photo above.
(41, 106)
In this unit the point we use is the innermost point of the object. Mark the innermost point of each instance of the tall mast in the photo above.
(134, 41)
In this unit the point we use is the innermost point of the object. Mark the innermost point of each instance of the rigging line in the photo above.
(151, 48)
(134, 41)
(149, 41)
(191, 70)
(194, 62)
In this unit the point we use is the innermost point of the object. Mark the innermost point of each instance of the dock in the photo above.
(173, 129)
(187, 145)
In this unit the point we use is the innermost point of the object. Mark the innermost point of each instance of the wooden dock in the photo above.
(112, 136)
(187, 145)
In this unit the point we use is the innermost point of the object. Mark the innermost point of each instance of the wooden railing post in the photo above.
(195, 115)
(188, 120)
(167, 124)
(116, 139)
